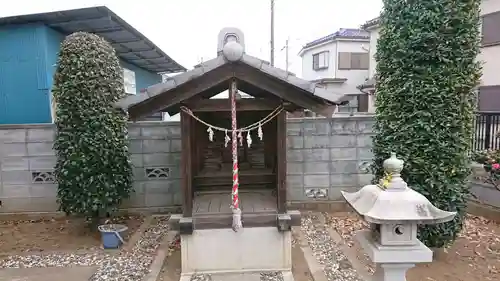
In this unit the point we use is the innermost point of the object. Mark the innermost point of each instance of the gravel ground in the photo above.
(335, 264)
(127, 266)
(201, 277)
(271, 276)
(264, 276)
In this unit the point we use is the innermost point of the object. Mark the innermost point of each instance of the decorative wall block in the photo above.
(317, 193)
(158, 173)
(43, 177)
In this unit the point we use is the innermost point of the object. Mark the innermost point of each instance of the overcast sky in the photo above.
(187, 29)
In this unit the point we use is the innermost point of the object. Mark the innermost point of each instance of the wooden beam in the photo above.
(211, 105)
(176, 95)
(186, 163)
(281, 161)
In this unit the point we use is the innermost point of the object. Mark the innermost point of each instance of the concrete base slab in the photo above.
(240, 276)
(256, 249)
(80, 273)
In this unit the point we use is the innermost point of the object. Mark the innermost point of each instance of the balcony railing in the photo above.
(487, 128)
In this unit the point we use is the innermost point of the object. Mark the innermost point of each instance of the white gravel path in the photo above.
(329, 255)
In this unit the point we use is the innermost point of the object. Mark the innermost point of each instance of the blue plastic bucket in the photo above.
(112, 235)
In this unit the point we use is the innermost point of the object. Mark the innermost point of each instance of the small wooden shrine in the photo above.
(207, 134)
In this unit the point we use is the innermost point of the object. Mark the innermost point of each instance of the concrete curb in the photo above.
(315, 268)
(137, 234)
(161, 255)
(348, 252)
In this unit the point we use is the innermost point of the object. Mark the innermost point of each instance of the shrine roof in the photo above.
(253, 75)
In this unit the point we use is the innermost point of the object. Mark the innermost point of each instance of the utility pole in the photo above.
(272, 32)
(286, 54)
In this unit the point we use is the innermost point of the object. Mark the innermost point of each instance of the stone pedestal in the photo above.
(224, 251)
(392, 261)
(391, 272)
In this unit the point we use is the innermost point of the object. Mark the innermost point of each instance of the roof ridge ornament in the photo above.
(231, 44)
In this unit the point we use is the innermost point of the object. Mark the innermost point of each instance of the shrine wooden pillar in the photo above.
(186, 164)
(281, 161)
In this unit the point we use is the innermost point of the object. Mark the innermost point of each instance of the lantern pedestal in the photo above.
(392, 261)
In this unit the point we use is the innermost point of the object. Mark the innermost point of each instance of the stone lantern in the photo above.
(394, 212)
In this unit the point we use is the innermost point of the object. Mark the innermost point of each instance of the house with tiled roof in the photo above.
(489, 88)
(340, 62)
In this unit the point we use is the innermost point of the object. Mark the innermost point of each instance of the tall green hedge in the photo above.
(93, 169)
(426, 78)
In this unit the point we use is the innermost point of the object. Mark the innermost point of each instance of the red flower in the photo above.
(495, 166)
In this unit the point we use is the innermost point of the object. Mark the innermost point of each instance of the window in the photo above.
(489, 29)
(320, 60)
(129, 81)
(354, 61)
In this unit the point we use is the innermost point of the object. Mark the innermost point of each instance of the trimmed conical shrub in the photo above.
(93, 170)
(426, 78)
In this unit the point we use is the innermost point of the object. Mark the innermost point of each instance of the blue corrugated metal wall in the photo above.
(24, 88)
(28, 55)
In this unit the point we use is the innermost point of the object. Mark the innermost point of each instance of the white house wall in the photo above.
(490, 6)
(490, 55)
(308, 73)
(354, 77)
(374, 35)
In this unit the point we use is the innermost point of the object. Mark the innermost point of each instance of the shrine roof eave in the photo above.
(212, 73)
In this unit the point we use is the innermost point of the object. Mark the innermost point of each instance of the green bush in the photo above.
(426, 78)
(93, 169)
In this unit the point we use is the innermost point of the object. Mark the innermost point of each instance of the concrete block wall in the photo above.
(326, 154)
(322, 155)
(27, 163)
(155, 149)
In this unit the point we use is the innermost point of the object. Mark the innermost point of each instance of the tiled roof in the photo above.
(370, 23)
(312, 88)
(343, 33)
